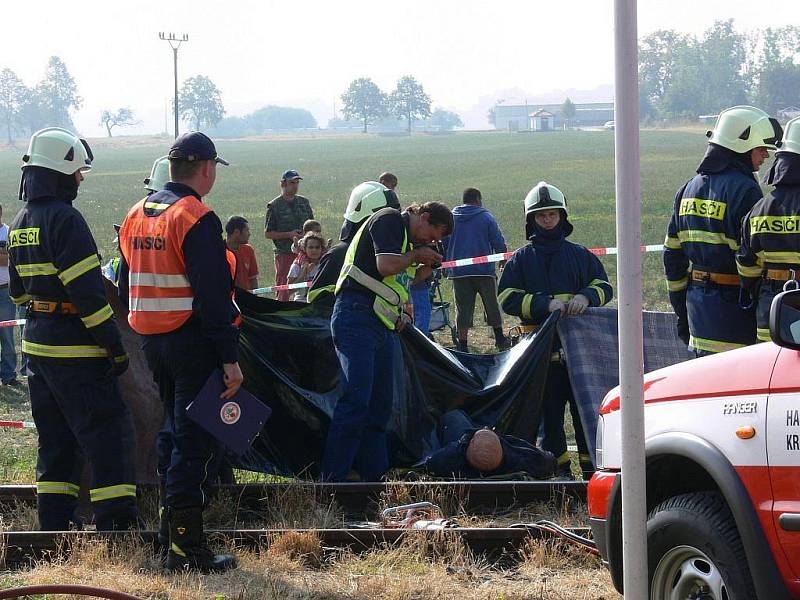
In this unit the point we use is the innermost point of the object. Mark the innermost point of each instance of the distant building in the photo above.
(522, 117)
(542, 120)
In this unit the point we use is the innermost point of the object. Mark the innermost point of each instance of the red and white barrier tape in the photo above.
(18, 424)
(12, 323)
(461, 262)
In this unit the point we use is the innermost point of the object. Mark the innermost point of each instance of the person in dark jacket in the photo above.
(770, 252)
(365, 199)
(552, 274)
(704, 233)
(74, 348)
(476, 233)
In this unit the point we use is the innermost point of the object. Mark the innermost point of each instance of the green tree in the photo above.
(58, 94)
(409, 101)
(121, 118)
(364, 101)
(11, 95)
(568, 111)
(659, 54)
(200, 102)
(32, 114)
(723, 61)
(445, 120)
(777, 73)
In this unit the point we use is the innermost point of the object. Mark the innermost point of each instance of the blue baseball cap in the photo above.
(290, 175)
(195, 146)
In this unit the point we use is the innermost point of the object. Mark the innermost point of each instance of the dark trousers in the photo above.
(181, 362)
(366, 351)
(79, 412)
(557, 393)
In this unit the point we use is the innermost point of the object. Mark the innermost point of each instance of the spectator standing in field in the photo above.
(284, 225)
(475, 233)
(8, 353)
(237, 230)
(312, 246)
(389, 180)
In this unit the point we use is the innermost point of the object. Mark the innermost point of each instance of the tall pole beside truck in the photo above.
(629, 281)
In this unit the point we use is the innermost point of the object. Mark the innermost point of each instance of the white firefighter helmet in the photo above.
(791, 137)
(367, 198)
(159, 175)
(744, 128)
(545, 197)
(59, 150)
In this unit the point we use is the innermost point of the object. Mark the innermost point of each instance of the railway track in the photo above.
(21, 547)
(360, 497)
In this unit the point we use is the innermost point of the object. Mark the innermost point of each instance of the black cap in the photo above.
(290, 175)
(195, 146)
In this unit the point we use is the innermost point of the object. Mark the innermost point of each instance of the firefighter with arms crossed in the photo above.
(705, 230)
(547, 275)
(73, 345)
(770, 251)
(178, 288)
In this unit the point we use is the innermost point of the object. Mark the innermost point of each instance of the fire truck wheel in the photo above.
(694, 550)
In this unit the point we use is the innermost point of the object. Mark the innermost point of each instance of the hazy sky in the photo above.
(305, 53)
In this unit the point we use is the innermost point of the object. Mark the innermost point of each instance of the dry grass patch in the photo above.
(304, 547)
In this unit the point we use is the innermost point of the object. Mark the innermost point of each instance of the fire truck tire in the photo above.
(694, 550)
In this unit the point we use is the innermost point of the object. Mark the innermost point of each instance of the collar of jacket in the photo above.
(181, 190)
(717, 159)
(39, 184)
(785, 170)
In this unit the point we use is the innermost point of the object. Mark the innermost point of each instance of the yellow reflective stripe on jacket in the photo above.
(744, 271)
(112, 491)
(677, 285)
(101, 316)
(21, 299)
(506, 294)
(57, 487)
(672, 243)
(596, 285)
(763, 334)
(79, 268)
(564, 297)
(702, 207)
(779, 257)
(158, 206)
(35, 269)
(712, 345)
(49, 351)
(313, 294)
(774, 224)
(525, 309)
(707, 237)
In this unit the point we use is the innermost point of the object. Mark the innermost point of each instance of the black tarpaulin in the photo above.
(288, 360)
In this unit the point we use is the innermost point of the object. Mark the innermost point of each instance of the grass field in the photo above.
(504, 167)
(435, 167)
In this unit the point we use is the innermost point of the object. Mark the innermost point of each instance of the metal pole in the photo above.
(629, 280)
(175, 53)
(175, 43)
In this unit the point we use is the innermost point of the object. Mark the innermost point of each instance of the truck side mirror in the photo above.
(784, 319)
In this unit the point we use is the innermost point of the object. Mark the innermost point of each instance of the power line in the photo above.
(175, 43)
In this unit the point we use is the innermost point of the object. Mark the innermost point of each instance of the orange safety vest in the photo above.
(232, 264)
(160, 295)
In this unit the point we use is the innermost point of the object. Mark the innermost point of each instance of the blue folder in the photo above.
(236, 421)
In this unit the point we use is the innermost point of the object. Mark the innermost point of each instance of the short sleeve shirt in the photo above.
(246, 266)
(384, 234)
(284, 215)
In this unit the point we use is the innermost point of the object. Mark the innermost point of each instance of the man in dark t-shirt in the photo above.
(285, 217)
(370, 294)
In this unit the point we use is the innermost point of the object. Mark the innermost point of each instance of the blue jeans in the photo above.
(421, 301)
(8, 353)
(366, 351)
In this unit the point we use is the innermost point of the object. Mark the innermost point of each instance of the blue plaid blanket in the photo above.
(591, 347)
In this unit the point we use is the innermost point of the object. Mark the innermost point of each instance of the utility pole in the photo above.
(175, 43)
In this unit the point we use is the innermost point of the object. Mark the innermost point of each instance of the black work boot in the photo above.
(587, 468)
(188, 550)
(564, 472)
